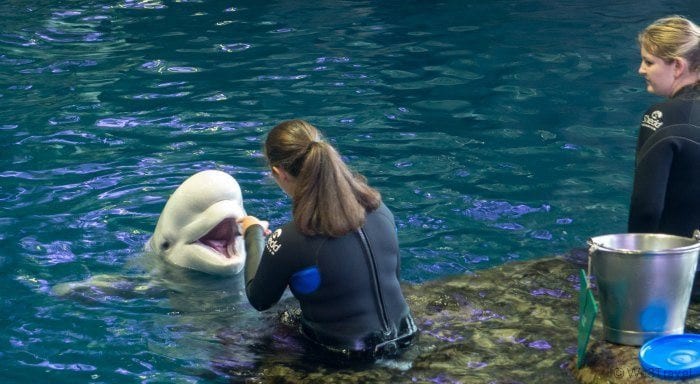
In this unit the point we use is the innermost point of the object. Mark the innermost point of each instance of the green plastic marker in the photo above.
(587, 313)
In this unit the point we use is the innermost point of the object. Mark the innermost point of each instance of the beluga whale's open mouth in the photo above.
(222, 238)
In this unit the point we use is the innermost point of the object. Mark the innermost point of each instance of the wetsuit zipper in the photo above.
(371, 263)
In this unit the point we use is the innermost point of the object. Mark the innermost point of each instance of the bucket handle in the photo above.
(591, 249)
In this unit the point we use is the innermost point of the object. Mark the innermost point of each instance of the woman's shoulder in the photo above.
(689, 92)
(293, 239)
(382, 212)
(671, 112)
(382, 209)
(286, 233)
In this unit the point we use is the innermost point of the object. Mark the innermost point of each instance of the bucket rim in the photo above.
(696, 239)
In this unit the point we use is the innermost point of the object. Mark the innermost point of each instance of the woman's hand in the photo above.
(247, 221)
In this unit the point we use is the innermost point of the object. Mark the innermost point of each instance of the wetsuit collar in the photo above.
(690, 91)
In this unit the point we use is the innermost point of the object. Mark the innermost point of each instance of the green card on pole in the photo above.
(588, 309)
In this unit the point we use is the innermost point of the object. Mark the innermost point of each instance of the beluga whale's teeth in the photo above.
(231, 249)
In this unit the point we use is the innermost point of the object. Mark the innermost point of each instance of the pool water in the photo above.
(495, 131)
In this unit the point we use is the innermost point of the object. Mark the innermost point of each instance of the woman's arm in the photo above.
(650, 183)
(265, 277)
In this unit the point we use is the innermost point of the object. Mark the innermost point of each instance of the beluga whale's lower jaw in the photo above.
(198, 229)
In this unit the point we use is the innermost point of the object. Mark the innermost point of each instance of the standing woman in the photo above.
(339, 255)
(666, 192)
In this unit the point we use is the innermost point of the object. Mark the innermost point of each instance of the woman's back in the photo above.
(359, 294)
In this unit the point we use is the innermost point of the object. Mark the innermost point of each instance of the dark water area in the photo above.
(497, 132)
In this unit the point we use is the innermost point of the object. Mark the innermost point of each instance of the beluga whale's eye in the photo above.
(165, 245)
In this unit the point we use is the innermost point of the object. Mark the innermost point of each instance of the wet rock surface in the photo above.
(614, 363)
(516, 323)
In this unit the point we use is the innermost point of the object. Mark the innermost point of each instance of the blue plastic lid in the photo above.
(672, 357)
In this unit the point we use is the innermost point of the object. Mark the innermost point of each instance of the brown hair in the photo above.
(329, 199)
(673, 37)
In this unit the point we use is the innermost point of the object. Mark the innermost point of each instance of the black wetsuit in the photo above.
(666, 194)
(348, 289)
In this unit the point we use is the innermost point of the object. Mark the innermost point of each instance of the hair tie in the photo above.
(315, 140)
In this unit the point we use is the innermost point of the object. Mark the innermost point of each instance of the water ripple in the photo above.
(18, 40)
(283, 30)
(141, 4)
(53, 35)
(182, 69)
(494, 210)
(176, 122)
(234, 47)
(69, 136)
(215, 96)
(60, 67)
(64, 120)
(4, 60)
(151, 96)
(51, 253)
(62, 367)
(160, 66)
(281, 77)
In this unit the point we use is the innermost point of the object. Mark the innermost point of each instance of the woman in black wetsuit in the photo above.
(666, 192)
(339, 256)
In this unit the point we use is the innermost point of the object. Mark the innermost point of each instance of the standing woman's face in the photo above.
(658, 74)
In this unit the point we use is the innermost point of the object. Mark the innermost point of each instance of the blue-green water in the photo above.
(495, 130)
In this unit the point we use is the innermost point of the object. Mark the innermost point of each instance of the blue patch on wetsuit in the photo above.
(306, 281)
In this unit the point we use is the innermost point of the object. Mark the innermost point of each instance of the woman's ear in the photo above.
(680, 67)
(279, 173)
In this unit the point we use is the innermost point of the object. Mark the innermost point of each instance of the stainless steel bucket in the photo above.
(644, 283)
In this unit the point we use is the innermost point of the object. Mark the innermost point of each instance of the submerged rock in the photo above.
(513, 323)
(516, 323)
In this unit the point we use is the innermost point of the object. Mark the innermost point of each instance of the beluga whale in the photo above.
(198, 228)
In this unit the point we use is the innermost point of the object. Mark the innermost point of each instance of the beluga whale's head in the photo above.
(197, 228)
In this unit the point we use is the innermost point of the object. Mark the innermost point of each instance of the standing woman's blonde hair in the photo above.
(673, 37)
(329, 199)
